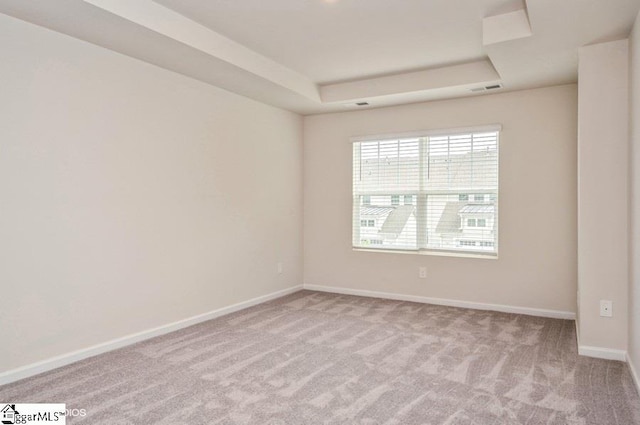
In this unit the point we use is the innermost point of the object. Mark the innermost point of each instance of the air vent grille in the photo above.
(485, 88)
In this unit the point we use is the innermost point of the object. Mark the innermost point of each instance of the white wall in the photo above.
(537, 260)
(132, 197)
(634, 288)
(603, 137)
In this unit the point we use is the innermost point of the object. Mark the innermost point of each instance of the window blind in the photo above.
(435, 191)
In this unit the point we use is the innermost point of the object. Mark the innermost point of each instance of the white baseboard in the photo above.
(634, 375)
(602, 353)
(599, 352)
(555, 314)
(72, 357)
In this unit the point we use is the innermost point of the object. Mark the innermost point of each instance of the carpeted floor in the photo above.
(315, 358)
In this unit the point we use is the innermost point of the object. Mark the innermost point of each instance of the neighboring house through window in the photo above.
(428, 191)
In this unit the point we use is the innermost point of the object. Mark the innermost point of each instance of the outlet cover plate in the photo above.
(606, 308)
(422, 272)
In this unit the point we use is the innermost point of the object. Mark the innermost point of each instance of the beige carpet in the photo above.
(314, 358)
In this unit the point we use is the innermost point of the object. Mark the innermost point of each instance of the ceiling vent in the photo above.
(485, 88)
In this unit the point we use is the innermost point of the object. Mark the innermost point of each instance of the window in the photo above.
(473, 222)
(447, 182)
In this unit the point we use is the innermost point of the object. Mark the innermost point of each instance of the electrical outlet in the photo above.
(422, 272)
(279, 268)
(606, 308)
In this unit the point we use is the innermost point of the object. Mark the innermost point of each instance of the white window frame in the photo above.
(421, 195)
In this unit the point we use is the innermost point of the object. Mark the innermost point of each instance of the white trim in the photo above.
(634, 375)
(555, 314)
(427, 133)
(602, 353)
(74, 356)
(440, 253)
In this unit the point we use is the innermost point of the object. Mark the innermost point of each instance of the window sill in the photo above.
(433, 253)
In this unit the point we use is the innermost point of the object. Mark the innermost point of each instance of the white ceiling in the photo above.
(313, 56)
(348, 39)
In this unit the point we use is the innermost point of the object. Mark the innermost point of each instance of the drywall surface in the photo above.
(634, 281)
(132, 197)
(603, 141)
(537, 265)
